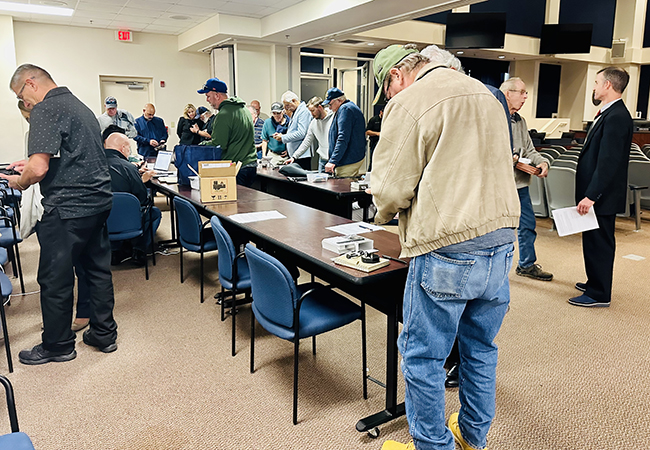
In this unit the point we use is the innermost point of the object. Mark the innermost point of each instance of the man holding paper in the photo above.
(601, 183)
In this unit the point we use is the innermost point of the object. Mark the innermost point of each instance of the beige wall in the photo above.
(528, 71)
(76, 57)
(13, 124)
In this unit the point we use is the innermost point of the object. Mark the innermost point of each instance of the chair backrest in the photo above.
(560, 187)
(125, 215)
(538, 196)
(550, 152)
(227, 251)
(565, 163)
(11, 404)
(6, 288)
(189, 221)
(273, 289)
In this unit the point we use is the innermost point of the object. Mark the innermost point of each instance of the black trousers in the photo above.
(598, 249)
(305, 163)
(66, 243)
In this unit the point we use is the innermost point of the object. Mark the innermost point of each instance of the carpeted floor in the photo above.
(568, 378)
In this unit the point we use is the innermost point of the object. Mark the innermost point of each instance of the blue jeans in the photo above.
(449, 295)
(526, 233)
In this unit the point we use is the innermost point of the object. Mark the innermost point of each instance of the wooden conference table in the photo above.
(299, 236)
(333, 196)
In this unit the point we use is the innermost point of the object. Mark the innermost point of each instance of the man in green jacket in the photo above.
(232, 129)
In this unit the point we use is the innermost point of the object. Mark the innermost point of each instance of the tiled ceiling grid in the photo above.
(153, 16)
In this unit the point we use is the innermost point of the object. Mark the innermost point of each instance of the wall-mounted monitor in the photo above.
(475, 30)
(565, 38)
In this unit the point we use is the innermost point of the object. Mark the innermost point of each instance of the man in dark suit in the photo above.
(601, 183)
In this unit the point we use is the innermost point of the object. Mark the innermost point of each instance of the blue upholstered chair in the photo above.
(16, 440)
(11, 197)
(3, 256)
(126, 222)
(9, 240)
(5, 289)
(234, 275)
(192, 233)
(293, 312)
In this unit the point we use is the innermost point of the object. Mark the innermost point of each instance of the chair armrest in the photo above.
(311, 291)
(635, 187)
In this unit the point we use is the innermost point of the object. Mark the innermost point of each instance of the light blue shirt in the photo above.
(298, 130)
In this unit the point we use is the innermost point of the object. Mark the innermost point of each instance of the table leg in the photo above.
(393, 410)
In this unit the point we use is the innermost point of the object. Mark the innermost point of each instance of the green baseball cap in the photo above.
(385, 60)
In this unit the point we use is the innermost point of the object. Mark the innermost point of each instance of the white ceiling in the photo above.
(153, 16)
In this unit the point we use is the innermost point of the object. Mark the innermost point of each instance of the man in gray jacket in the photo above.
(515, 91)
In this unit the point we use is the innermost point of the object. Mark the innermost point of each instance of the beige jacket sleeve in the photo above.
(398, 162)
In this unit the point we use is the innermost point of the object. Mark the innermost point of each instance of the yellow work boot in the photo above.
(394, 445)
(455, 430)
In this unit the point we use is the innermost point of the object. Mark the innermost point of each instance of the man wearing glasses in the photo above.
(515, 91)
(67, 158)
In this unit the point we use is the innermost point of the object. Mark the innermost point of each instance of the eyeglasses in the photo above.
(20, 93)
(521, 91)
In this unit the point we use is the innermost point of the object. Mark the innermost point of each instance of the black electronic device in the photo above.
(5, 171)
(565, 38)
(475, 30)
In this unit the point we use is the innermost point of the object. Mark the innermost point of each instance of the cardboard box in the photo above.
(218, 181)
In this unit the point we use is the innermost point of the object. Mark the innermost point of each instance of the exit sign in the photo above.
(124, 35)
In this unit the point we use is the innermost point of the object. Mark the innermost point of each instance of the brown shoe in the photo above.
(79, 324)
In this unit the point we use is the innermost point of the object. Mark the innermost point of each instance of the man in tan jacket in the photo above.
(444, 164)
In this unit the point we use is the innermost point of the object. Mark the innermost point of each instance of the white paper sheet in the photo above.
(257, 216)
(355, 228)
(568, 221)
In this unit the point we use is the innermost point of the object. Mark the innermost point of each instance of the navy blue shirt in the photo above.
(148, 130)
(77, 183)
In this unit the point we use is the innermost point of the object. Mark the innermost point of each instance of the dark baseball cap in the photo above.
(332, 93)
(213, 84)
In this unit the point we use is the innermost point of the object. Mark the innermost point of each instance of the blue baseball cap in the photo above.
(201, 109)
(332, 93)
(213, 84)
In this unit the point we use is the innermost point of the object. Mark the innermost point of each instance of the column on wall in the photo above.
(261, 73)
(573, 85)
(13, 124)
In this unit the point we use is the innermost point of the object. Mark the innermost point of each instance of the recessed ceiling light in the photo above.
(36, 9)
(179, 17)
(460, 52)
(502, 57)
(332, 39)
(371, 43)
(53, 3)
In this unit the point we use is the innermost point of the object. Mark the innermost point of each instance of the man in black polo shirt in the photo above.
(67, 158)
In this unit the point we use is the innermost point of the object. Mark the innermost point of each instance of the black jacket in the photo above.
(602, 167)
(185, 135)
(125, 177)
